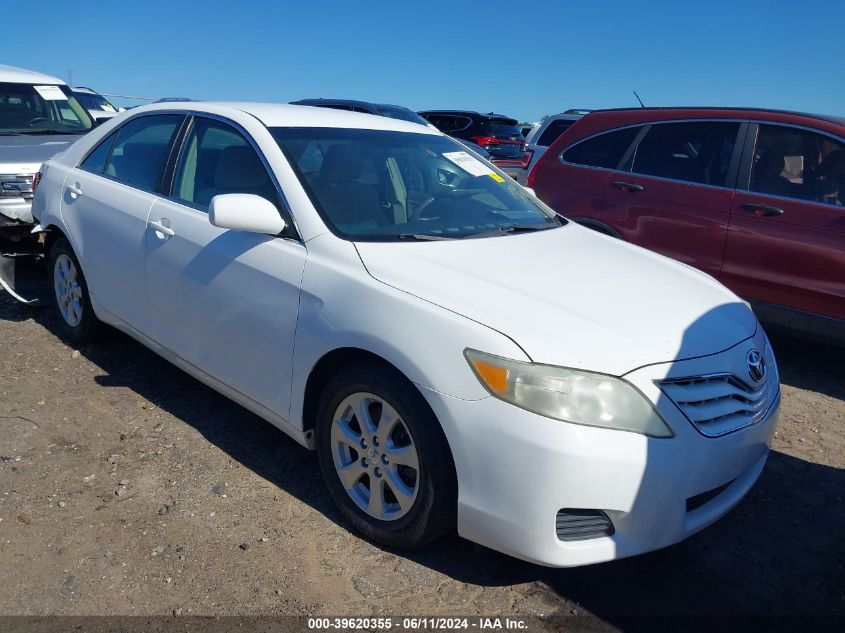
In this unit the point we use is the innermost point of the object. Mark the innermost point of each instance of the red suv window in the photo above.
(696, 151)
(604, 150)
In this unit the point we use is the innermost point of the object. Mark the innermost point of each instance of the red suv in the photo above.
(755, 198)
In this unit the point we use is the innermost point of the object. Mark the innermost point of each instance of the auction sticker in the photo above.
(467, 163)
(51, 93)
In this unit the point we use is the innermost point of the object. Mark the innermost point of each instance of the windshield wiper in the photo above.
(423, 237)
(514, 228)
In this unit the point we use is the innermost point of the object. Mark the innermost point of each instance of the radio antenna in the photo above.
(642, 105)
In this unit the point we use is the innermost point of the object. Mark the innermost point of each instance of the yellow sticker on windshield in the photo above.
(496, 177)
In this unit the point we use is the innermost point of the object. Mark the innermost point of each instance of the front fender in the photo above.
(342, 306)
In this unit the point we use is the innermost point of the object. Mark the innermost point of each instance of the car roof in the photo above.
(687, 112)
(84, 90)
(486, 115)
(286, 115)
(565, 116)
(603, 120)
(11, 74)
(352, 102)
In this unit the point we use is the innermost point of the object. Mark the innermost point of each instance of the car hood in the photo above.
(19, 154)
(570, 297)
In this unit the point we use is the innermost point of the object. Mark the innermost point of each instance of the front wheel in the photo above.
(70, 294)
(384, 458)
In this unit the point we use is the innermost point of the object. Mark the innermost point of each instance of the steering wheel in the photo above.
(37, 119)
(421, 207)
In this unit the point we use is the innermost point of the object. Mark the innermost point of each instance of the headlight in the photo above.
(571, 395)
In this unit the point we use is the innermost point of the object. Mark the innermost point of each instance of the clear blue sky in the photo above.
(521, 58)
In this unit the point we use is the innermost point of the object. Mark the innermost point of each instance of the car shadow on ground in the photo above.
(810, 364)
(778, 552)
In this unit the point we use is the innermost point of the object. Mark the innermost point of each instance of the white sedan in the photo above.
(457, 354)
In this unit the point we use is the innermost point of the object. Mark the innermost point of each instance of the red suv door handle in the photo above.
(628, 187)
(762, 209)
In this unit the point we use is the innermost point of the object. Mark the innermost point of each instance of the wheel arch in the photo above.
(52, 234)
(325, 368)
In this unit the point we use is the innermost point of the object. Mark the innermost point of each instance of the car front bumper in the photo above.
(516, 470)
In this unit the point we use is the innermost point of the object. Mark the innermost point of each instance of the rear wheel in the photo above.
(384, 458)
(70, 294)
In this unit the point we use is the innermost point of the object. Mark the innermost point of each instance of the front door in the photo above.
(225, 301)
(674, 195)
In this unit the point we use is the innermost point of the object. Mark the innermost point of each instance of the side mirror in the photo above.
(245, 212)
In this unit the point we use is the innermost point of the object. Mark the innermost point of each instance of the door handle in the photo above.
(75, 190)
(761, 210)
(162, 228)
(628, 187)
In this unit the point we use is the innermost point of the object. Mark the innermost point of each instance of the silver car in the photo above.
(39, 117)
(540, 138)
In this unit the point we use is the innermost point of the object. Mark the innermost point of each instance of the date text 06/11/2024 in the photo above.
(417, 623)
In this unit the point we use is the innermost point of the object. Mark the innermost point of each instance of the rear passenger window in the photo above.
(141, 150)
(217, 159)
(555, 129)
(697, 152)
(797, 163)
(96, 161)
(604, 150)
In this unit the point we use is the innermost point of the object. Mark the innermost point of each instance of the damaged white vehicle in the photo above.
(456, 353)
(39, 117)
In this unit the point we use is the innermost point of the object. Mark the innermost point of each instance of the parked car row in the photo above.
(455, 348)
(497, 134)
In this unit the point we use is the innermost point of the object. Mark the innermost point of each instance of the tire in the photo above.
(383, 395)
(70, 295)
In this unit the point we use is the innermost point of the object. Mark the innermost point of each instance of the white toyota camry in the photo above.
(457, 354)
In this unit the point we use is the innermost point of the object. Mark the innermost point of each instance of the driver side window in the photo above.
(217, 159)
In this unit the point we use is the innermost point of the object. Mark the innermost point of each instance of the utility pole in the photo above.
(70, 76)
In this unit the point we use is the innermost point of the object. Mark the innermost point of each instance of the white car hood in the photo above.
(570, 297)
(25, 153)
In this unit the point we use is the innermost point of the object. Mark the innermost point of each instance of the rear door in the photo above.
(786, 242)
(225, 301)
(105, 207)
(673, 195)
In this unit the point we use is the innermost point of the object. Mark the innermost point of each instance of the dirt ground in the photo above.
(127, 487)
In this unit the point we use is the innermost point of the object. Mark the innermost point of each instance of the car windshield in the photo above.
(403, 114)
(373, 185)
(93, 101)
(41, 109)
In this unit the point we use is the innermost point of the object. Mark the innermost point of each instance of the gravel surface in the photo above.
(127, 487)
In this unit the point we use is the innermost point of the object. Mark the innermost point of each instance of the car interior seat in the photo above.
(238, 170)
(349, 202)
(767, 174)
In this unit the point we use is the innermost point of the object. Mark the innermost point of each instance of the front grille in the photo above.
(16, 186)
(580, 525)
(720, 403)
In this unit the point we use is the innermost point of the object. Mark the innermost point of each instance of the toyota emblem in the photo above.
(756, 365)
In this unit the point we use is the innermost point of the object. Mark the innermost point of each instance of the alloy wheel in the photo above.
(68, 290)
(375, 456)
